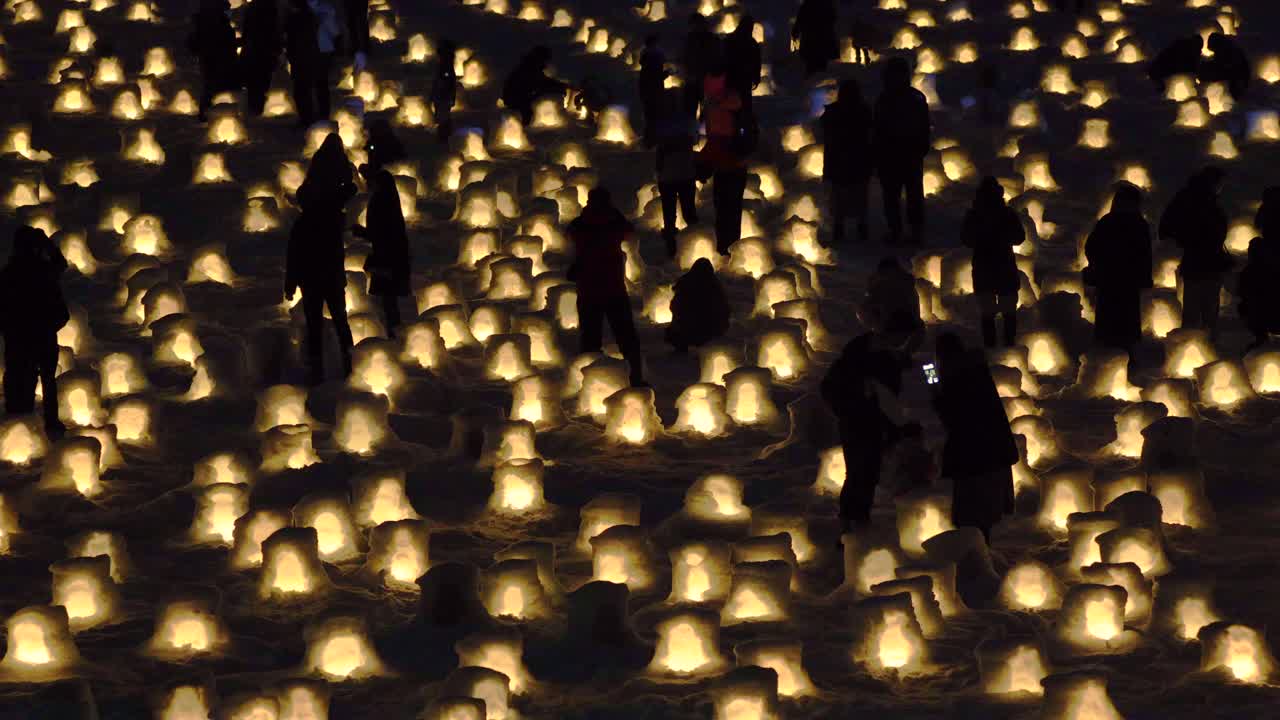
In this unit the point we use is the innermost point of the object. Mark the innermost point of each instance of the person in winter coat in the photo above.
(980, 450)
(388, 264)
(357, 13)
(892, 306)
(699, 310)
(992, 229)
(701, 48)
(814, 32)
(1181, 57)
(261, 51)
(32, 311)
(902, 138)
(309, 50)
(1228, 64)
(444, 89)
(1196, 222)
(861, 388)
(723, 156)
(529, 81)
(743, 58)
(599, 269)
(677, 172)
(846, 137)
(214, 44)
(1118, 252)
(330, 181)
(382, 146)
(653, 75)
(1258, 290)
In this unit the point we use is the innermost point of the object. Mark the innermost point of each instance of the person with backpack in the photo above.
(992, 230)
(846, 138)
(903, 137)
(1196, 223)
(32, 311)
(1118, 252)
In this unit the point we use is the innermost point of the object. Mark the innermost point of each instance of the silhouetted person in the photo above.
(993, 108)
(1228, 64)
(213, 42)
(992, 229)
(1118, 252)
(599, 269)
(32, 311)
(861, 388)
(743, 59)
(1076, 6)
(653, 75)
(846, 137)
(261, 51)
(701, 48)
(892, 306)
(1196, 222)
(865, 38)
(730, 127)
(1181, 57)
(388, 264)
(308, 69)
(316, 252)
(980, 451)
(677, 172)
(381, 145)
(902, 138)
(815, 33)
(1258, 289)
(529, 81)
(699, 309)
(357, 12)
(444, 89)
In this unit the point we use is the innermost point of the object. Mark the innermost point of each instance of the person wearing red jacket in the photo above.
(599, 269)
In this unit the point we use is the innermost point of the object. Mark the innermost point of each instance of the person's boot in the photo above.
(989, 331)
(1010, 329)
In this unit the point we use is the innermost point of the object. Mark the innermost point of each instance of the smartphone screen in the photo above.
(930, 374)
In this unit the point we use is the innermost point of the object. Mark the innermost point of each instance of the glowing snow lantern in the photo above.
(132, 418)
(544, 350)
(1141, 546)
(701, 411)
(144, 148)
(1128, 576)
(423, 344)
(362, 423)
(291, 565)
(381, 498)
(330, 516)
(513, 590)
(185, 628)
(507, 357)
(632, 417)
(188, 702)
(453, 326)
(716, 498)
(1105, 374)
(1041, 442)
(781, 349)
(39, 645)
(517, 487)
(500, 651)
(218, 508)
(1012, 668)
(338, 649)
(604, 512)
(282, 405)
(288, 447)
(888, 637)
(868, 563)
(1263, 367)
(700, 573)
(1130, 422)
(784, 658)
(688, 646)
(1032, 586)
(375, 369)
(507, 441)
(1045, 353)
(534, 398)
(1175, 394)
(1224, 385)
(20, 442)
(920, 517)
(209, 264)
(83, 586)
(1096, 134)
(78, 399)
(226, 130)
(398, 552)
(1186, 352)
(1078, 696)
(1161, 314)
(211, 168)
(1238, 650)
(622, 554)
(1264, 126)
(746, 693)
(1064, 493)
(1091, 621)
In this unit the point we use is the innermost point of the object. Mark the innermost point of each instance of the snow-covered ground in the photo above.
(151, 500)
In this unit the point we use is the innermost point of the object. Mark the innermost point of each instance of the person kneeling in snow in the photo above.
(699, 310)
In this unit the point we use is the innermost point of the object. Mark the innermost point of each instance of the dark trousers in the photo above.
(727, 187)
(26, 360)
(257, 82)
(313, 305)
(358, 25)
(444, 121)
(897, 178)
(684, 195)
(391, 313)
(861, 473)
(1200, 298)
(311, 89)
(592, 312)
(209, 80)
(649, 105)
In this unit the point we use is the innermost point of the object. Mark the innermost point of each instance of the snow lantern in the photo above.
(455, 708)
(536, 399)
(1263, 366)
(304, 700)
(501, 651)
(1080, 695)
(338, 649)
(759, 592)
(186, 702)
(748, 397)
(799, 238)
(489, 319)
(507, 357)
(330, 515)
(490, 689)
(1091, 621)
(1041, 440)
(700, 573)
(508, 441)
(144, 148)
(510, 278)
(750, 257)
(517, 487)
(1161, 314)
(362, 423)
(1174, 394)
(218, 507)
(773, 288)
(73, 465)
(1187, 350)
(746, 693)
(291, 567)
(604, 512)
(39, 645)
(209, 264)
(509, 135)
(1182, 497)
(84, 587)
(632, 417)
(1083, 531)
(1142, 546)
(453, 326)
(375, 369)
(1264, 126)
(1238, 650)
(97, 542)
(210, 169)
(251, 530)
(924, 605)
(186, 628)
(1045, 353)
(225, 129)
(260, 215)
(1130, 422)
(176, 340)
(921, 515)
(796, 527)
(614, 127)
(1138, 598)
(622, 554)
(868, 562)
(79, 403)
(21, 442)
(424, 344)
(1012, 668)
(1062, 494)
(1031, 586)
(716, 498)
(1224, 385)
(1109, 486)
(132, 418)
(702, 413)
(1105, 374)
(145, 234)
(288, 447)
(398, 551)
(688, 645)
(1095, 134)
(784, 657)
(695, 245)
(806, 310)
(888, 638)
(563, 299)
(782, 350)
(513, 590)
